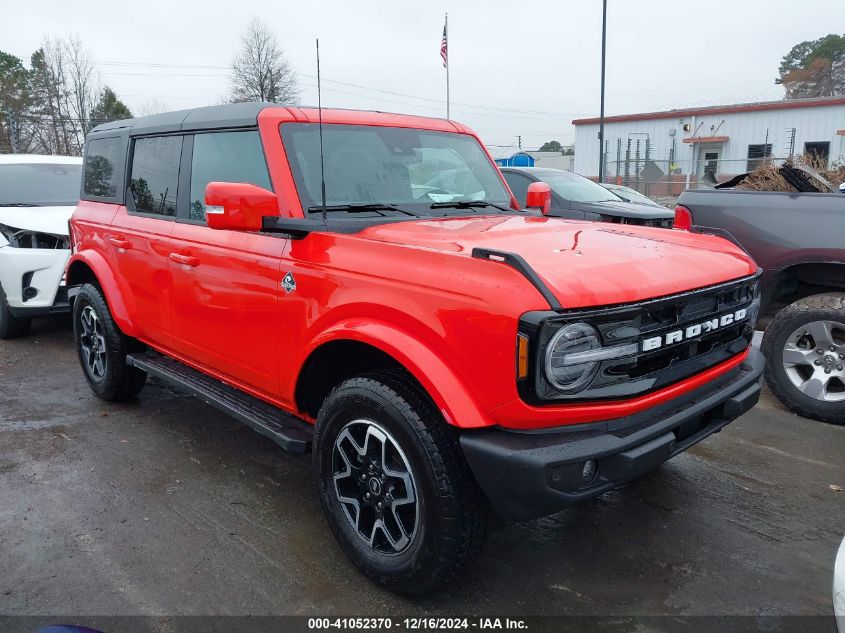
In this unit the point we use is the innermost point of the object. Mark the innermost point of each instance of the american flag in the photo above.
(444, 49)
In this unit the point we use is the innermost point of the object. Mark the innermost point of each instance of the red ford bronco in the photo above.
(368, 289)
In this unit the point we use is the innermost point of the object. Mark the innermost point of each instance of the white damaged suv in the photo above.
(37, 197)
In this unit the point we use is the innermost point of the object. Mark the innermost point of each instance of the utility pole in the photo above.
(601, 113)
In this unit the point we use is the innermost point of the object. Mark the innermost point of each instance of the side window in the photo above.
(155, 174)
(102, 156)
(519, 186)
(225, 157)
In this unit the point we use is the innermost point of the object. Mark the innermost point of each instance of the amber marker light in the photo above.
(521, 356)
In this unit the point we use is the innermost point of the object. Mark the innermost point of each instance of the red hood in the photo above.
(585, 263)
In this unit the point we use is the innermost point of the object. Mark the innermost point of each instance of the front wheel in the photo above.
(394, 485)
(805, 352)
(102, 348)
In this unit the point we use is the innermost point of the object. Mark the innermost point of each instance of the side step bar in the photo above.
(289, 432)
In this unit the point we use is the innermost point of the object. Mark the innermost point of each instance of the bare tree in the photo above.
(49, 86)
(84, 86)
(261, 72)
(65, 88)
(152, 106)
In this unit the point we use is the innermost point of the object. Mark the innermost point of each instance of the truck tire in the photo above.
(394, 485)
(805, 352)
(10, 325)
(102, 348)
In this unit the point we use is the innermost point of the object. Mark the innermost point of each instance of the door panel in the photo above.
(139, 239)
(225, 289)
(138, 248)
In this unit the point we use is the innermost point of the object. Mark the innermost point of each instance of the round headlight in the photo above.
(572, 339)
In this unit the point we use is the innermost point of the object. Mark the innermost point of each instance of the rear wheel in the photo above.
(805, 350)
(10, 325)
(394, 485)
(102, 348)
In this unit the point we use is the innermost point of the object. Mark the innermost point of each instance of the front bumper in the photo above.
(40, 270)
(527, 474)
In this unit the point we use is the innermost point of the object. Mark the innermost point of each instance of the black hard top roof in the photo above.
(230, 115)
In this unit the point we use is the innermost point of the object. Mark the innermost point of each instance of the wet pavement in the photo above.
(166, 506)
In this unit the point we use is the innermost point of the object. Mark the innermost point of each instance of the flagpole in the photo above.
(447, 66)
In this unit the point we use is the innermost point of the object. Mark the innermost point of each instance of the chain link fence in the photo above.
(665, 178)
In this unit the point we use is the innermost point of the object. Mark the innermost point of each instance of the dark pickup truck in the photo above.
(799, 241)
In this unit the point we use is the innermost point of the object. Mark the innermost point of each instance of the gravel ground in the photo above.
(163, 506)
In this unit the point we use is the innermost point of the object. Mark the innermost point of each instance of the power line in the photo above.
(163, 75)
(441, 101)
(333, 81)
(424, 106)
(155, 65)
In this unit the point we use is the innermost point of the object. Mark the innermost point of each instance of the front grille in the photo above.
(659, 319)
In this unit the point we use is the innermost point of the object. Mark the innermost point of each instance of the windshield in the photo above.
(40, 185)
(576, 188)
(633, 195)
(408, 168)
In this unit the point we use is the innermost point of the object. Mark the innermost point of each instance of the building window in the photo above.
(818, 152)
(757, 155)
(155, 174)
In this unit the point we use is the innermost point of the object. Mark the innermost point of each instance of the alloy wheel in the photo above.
(814, 360)
(375, 486)
(93, 343)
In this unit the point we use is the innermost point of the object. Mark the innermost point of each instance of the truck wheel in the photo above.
(805, 351)
(394, 485)
(102, 348)
(10, 325)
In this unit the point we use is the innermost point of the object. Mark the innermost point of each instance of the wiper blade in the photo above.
(359, 208)
(17, 204)
(467, 204)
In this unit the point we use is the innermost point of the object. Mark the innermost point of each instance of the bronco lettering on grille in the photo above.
(691, 331)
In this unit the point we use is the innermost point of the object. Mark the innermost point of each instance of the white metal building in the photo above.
(553, 160)
(722, 141)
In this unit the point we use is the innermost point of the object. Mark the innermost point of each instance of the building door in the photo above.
(709, 161)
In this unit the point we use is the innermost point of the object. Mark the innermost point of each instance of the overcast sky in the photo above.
(517, 68)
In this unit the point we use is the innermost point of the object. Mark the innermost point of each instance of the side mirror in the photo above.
(238, 206)
(539, 196)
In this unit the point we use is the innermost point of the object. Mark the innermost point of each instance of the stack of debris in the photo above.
(803, 176)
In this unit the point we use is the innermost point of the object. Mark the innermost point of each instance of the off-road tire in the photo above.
(119, 380)
(822, 307)
(451, 513)
(10, 325)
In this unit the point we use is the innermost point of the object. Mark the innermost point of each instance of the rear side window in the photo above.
(154, 175)
(225, 157)
(103, 156)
